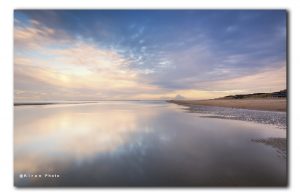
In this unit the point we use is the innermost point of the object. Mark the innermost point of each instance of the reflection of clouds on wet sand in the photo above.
(72, 134)
(280, 144)
(126, 143)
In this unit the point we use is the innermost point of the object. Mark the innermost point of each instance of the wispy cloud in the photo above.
(35, 35)
(146, 54)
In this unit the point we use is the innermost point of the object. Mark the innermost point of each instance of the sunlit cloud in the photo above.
(112, 56)
(35, 35)
(265, 81)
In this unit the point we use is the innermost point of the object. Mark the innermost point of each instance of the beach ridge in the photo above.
(265, 104)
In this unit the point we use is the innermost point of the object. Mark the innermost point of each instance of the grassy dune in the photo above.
(275, 101)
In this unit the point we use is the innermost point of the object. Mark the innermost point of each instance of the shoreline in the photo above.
(48, 103)
(267, 104)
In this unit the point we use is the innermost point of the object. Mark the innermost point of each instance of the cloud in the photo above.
(231, 29)
(36, 35)
(70, 68)
(69, 57)
(51, 84)
(264, 81)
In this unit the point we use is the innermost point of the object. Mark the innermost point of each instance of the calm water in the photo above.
(140, 144)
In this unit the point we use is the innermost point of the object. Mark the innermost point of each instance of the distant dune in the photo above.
(275, 101)
(278, 94)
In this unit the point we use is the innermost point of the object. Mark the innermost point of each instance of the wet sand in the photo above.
(145, 144)
(268, 104)
(279, 143)
(264, 111)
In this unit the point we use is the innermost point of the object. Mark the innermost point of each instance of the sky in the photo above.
(147, 54)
